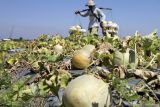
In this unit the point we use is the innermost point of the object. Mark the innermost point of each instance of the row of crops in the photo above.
(37, 74)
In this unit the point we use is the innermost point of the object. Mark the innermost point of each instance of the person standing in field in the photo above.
(96, 17)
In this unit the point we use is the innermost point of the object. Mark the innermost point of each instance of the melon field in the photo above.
(42, 72)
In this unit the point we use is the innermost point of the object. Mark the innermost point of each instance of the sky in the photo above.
(30, 18)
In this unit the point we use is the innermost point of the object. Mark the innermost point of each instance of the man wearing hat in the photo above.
(96, 16)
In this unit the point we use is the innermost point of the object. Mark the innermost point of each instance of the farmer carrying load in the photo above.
(96, 17)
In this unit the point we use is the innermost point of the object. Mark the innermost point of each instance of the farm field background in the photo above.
(32, 71)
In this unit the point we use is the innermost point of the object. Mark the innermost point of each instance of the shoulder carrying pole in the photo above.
(99, 8)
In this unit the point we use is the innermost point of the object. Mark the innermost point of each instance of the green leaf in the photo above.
(43, 88)
(34, 88)
(12, 60)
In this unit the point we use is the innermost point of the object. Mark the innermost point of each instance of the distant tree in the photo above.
(20, 38)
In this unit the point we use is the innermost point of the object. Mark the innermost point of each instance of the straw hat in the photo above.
(90, 3)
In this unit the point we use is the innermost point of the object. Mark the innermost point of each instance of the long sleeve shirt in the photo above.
(93, 19)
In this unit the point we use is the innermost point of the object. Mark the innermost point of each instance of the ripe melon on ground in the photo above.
(82, 58)
(87, 91)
